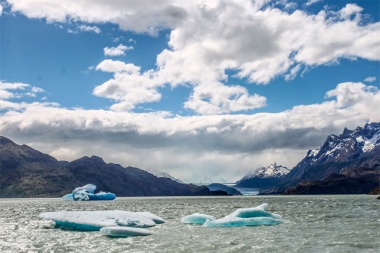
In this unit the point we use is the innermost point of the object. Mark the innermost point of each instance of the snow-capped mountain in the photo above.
(162, 174)
(272, 170)
(359, 148)
(263, 177)
(348, 145)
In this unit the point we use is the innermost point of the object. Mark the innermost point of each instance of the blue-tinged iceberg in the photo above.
(197, 218)
(124, 231)
(87, 192)
(255, 216)
(95, 220)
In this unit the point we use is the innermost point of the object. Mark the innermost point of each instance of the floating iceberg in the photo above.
(95, 220)
(87, 192)
(124, 231)
(241, 222)
(68, 197)
(197, 218)
(255, 216)
(259, 211)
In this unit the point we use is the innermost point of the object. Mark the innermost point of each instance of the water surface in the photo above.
(348, 223)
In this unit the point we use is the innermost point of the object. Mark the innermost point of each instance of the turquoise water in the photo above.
(312, 224)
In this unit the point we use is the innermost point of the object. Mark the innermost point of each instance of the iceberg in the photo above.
(259, 211)
(95, 220)
(241, 222)
(68, 197)
(124, 231)
(87, 192)
(254, 216)
(197, 218)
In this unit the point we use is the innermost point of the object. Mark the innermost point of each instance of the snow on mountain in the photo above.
(162, 174)
(347, 145)
(271, 171)
(340, 154)
(263, 177)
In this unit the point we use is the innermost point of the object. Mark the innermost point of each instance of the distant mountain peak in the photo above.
(272, 170)
(263, 177)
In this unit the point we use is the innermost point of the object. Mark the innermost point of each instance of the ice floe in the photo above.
(87, 192)
(255, 216)
(95, 220)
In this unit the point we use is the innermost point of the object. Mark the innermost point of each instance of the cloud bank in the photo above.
(221, 145)
(256, 40)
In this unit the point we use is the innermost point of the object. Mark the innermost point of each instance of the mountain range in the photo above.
(345, 163)
(348, 163)
(263, 177)
(26, 172)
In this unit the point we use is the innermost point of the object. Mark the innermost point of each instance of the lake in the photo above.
(344, 223)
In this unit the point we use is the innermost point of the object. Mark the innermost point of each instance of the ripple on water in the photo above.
(313, 224)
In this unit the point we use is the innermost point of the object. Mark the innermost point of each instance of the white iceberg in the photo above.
(87, 192)
(124, 231)
(259, 211)
(95, 220)
(254, 216)
(197, 218)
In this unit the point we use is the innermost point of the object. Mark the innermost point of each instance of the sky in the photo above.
(203, 90)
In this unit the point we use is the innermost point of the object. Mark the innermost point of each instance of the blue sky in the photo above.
(243, 83)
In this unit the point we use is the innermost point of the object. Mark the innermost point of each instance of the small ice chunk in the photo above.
(240, 222)
(124, 231)
(197, 218)
(95, 220)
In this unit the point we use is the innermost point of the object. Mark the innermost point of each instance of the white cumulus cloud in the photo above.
(116, 51)
(87, 28)
(370, 79)
(257, 40)
(128, 87)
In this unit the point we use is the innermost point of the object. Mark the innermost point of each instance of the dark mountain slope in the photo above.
(26, 172)
(353, 155)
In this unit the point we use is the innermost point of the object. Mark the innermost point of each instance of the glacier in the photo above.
(95, 220)
(87, 192)
(254, 216)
